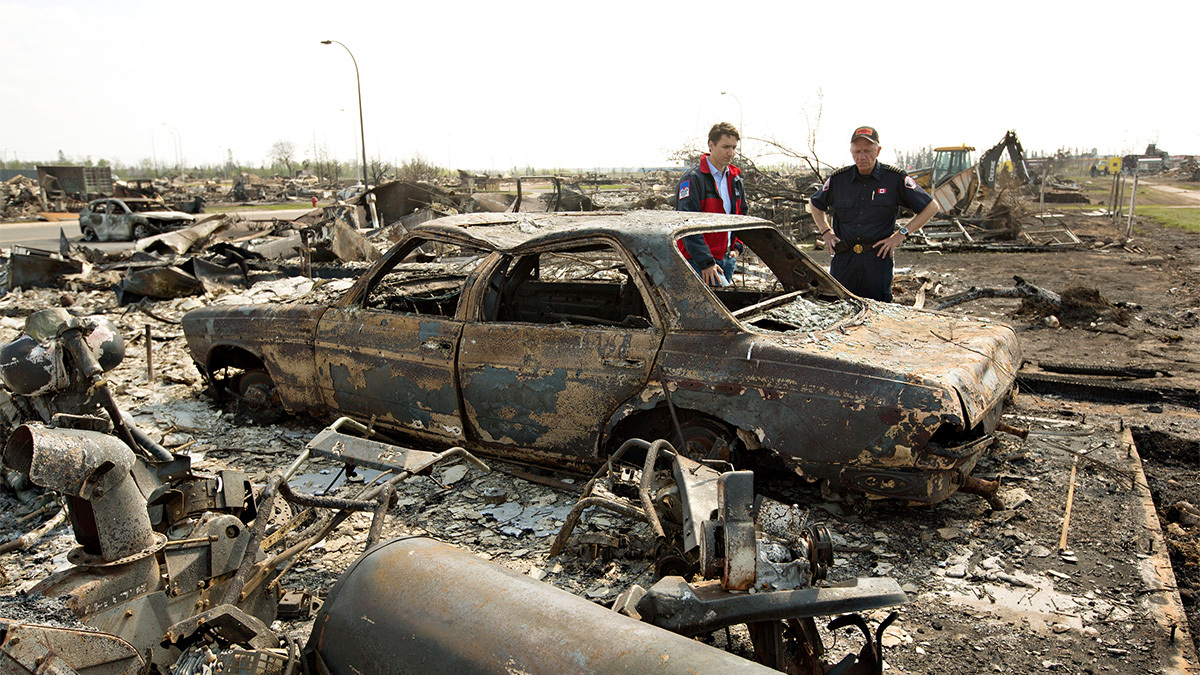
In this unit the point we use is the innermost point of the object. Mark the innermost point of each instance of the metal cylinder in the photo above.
(417, 605)
(30, 368)
(110, 513)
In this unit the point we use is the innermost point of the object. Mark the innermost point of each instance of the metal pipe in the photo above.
(420, 605)
(149, 357)
(644, 486)
(94, 469)
(385, 502)
(157, 452)
(572, 520)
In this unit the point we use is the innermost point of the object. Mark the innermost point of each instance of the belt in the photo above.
(854, 245)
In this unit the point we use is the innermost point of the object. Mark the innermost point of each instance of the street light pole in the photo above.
(739, 102)
(178, 149)
(361, 134)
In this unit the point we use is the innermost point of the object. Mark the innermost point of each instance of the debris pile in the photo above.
(20, 198)
(256, 524)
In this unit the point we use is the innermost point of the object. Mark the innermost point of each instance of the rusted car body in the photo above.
(129, 219)
(549, 338)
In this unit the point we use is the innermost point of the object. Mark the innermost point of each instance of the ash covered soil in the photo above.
(989, 591)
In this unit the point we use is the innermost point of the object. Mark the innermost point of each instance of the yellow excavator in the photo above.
(955, 178)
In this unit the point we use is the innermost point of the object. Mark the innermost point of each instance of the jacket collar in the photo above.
(731, 169)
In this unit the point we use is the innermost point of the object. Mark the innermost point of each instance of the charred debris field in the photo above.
(1108, 395)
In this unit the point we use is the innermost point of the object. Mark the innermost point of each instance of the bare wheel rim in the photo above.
(706, 439)
(257, 390)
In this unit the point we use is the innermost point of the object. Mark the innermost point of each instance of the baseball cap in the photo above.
(868, 133)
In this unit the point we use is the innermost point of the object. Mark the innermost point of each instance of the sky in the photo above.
(494, 86)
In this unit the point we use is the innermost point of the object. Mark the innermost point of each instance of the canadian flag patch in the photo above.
(883, 191)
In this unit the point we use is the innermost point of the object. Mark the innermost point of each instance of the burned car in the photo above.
(553, 338)
(129, 219)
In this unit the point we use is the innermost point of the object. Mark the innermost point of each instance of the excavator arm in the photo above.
(989, 162)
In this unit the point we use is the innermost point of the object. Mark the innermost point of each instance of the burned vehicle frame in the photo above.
(129, 219)
(553, 338)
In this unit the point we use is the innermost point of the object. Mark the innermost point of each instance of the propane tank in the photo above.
(417, 605)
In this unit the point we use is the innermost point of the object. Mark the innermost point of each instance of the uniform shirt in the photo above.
(865, 207)
(720, 177)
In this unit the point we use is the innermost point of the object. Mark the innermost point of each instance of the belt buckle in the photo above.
(858, 248)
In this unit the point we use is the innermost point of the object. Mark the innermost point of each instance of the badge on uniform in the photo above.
(883, 191)
(685, 189)
(910, 183)
(825, 187)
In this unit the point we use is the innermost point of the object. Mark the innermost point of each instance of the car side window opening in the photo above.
(428, 280)
(583, 286)
(779, 289)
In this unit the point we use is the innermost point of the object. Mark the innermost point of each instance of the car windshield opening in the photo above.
(778, 288)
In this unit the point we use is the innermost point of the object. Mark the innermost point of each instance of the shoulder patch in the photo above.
(844, 169)
(685, 189)
(910, 183)
(893, 169)
(825, 185)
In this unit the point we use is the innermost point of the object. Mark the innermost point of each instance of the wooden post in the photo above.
(1120, 199)
(1132, 206)
(1062, 541)
(1112, 196)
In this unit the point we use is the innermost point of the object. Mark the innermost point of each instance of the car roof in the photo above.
(508, 231)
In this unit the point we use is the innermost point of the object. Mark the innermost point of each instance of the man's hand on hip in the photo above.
(829, 239)
(887, 246)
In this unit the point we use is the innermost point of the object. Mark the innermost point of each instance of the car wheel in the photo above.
(141, 231)
(89, 234)
(705, 438)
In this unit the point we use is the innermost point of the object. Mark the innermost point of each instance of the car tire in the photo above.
(89, 234)
(140, 231)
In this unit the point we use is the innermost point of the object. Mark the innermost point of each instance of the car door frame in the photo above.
(534, 390)
(399, 369)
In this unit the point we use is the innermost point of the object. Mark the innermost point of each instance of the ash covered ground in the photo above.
(989, 592)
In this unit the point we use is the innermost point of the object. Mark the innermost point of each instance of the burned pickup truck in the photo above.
(554, 338)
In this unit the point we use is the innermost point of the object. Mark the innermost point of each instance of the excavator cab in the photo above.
(951, 161)
(952, 180)
(947, 162)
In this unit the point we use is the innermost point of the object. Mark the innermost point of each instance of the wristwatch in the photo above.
(904, 231)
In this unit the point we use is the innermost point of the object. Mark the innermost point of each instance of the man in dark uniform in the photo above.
(713, 186)
(865, 198)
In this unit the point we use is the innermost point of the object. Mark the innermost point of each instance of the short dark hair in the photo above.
(722, 129)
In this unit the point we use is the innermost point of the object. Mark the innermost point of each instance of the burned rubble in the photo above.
(968, 578)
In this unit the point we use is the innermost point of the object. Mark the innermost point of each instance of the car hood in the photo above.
(976, 358)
